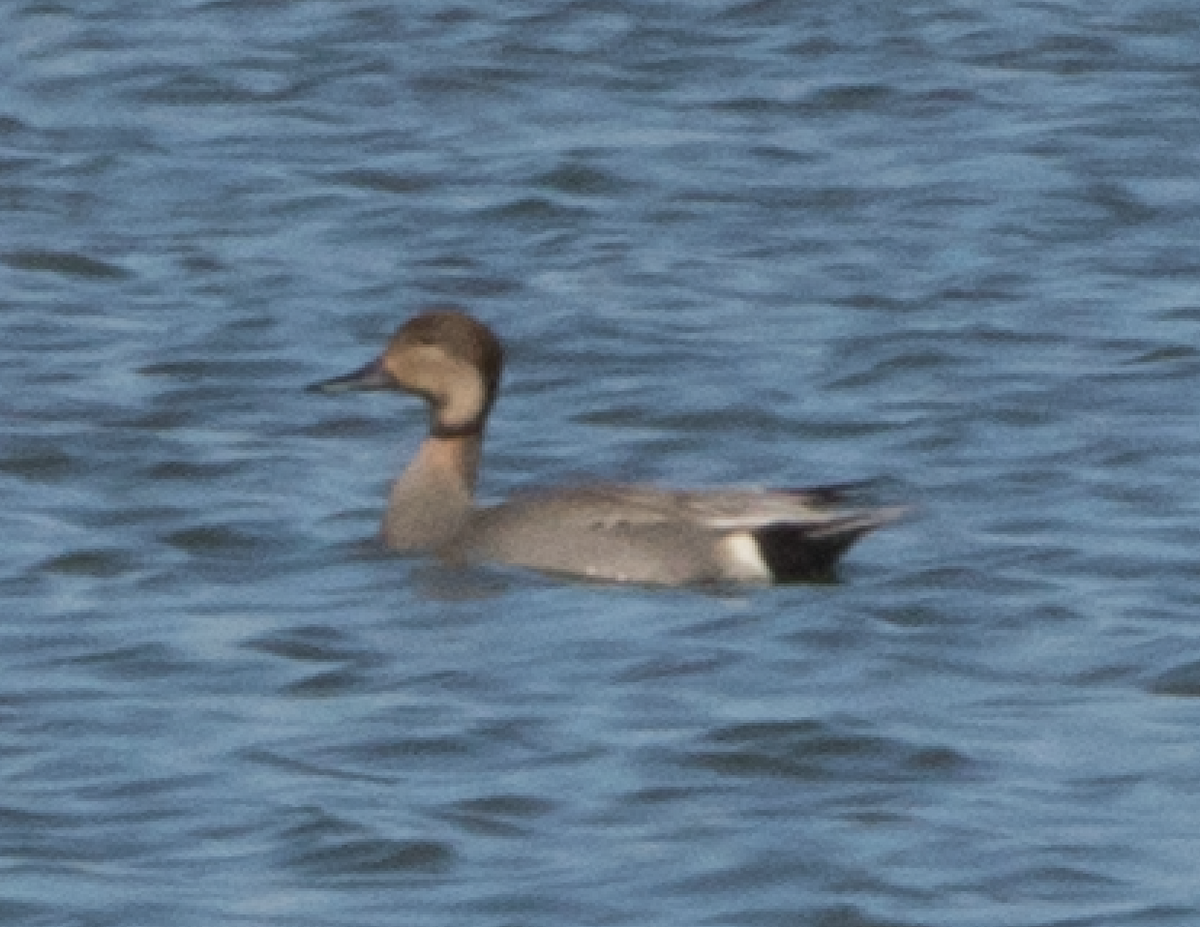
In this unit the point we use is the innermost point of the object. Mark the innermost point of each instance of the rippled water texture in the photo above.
(949, 245)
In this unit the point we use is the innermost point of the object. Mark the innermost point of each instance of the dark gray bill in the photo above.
(372, 376)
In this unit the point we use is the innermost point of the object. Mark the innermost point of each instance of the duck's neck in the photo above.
(434, 495)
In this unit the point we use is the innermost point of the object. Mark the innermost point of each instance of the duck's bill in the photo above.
(372, 376)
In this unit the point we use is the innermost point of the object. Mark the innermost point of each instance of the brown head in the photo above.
(443, 355)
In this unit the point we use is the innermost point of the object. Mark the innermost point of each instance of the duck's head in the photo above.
(446, 357)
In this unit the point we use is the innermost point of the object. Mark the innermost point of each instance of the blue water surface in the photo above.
(948, 245)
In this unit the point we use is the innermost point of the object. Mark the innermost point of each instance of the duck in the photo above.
(603, 532)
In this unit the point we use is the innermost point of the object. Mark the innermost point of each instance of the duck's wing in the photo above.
(719, 509)
(652, 535)
(592, 533)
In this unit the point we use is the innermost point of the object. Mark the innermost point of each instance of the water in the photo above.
(945, 244)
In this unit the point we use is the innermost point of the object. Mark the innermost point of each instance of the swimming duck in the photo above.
(605, 532)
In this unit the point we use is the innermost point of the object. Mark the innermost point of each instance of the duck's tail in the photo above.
(809, 551)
